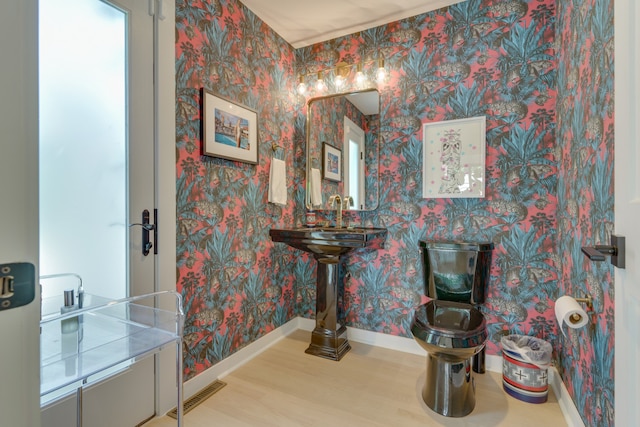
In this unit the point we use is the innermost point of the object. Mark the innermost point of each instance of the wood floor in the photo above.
(370, 386)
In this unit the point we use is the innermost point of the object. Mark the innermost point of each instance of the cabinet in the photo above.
(84, 346)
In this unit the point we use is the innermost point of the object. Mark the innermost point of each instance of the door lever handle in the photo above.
(146, 228)
(593, 253)
(616, 251)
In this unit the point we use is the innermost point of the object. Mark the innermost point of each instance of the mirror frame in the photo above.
(310, 101)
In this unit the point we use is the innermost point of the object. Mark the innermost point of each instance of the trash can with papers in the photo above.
(525, 363)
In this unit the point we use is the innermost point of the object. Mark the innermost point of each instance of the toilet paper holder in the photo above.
(615, 250)
(586, 300)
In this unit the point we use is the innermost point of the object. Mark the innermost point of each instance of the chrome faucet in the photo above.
(337, 200)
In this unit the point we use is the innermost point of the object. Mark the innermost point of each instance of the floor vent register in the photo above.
(198, 398)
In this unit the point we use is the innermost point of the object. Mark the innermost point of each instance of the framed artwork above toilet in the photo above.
(454, 158)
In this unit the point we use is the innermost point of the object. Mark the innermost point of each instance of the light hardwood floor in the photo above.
(370, 386)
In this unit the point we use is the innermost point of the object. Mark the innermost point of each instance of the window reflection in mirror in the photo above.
(350, 123)
(353, 149)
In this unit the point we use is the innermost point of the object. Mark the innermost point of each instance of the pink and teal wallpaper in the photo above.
(474, 58)
(585, 126)
(542, 77)
(237, 285)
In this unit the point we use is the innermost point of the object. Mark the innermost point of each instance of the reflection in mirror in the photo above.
(349, 122)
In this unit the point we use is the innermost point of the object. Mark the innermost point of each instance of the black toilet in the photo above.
(449, 327)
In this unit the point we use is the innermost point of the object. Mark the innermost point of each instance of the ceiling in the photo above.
(303, 22)
(367, 102)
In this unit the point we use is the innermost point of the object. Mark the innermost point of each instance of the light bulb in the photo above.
(342, 71)
(361, 79)
(302, 86)
(381, 75)
(320, 86)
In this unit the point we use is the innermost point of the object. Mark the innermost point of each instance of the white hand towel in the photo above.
(278, 182)
(316, 190)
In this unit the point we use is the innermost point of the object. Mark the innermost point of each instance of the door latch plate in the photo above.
(17, 284)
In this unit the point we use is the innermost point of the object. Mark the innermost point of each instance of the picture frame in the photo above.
(229, 129)
(454, 158)
(331, 162)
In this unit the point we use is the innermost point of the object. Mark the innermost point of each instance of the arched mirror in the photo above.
(342, 149)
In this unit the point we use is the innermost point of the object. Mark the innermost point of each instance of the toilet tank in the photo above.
(456, 271)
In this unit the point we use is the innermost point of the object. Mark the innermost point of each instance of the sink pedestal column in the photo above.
(329, 338)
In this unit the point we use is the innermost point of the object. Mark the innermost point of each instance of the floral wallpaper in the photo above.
(236, 284)
(586, 198)
(547, 95)
(474, 58)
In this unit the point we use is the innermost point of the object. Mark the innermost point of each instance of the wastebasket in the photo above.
(525, 361)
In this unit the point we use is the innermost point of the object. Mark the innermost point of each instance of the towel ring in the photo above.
(275, 147)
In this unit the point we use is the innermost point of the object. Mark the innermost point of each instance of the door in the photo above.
(19, 331)
(627, 212)
(97, 177)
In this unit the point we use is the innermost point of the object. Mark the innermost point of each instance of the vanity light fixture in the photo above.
(340, 73)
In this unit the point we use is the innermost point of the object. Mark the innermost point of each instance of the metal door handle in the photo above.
(146, 228)
(615, 251)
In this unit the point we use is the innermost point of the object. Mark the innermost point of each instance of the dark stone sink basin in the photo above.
(330, 240)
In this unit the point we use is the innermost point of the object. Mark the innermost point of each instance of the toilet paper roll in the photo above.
(569, 312)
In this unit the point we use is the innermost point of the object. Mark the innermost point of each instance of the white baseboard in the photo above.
(407, 345)
(568, 408)
(237, 359)
(493, 363)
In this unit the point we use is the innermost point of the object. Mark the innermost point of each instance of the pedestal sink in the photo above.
(328, 244)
